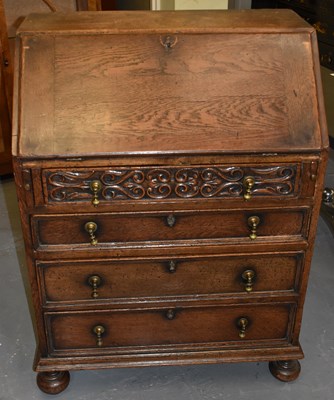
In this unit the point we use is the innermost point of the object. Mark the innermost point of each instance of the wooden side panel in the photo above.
(301, 91)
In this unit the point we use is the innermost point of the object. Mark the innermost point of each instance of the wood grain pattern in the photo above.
(164, 103)
(126, 230)
(137, 96)
(38, 85)
(67, 283)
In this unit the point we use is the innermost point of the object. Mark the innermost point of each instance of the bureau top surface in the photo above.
(107, 83)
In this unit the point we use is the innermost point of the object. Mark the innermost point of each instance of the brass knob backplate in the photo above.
(91, 228)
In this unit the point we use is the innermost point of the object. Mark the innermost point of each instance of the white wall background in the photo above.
(189, 4)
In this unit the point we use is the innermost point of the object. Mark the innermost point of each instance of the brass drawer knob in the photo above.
(99, 331)
(171, 220)
(253, 223)
(91, 228)
(170, 314)
(242, 324)
(95, 187)
(94, 281)
(248, 278)
(248, 184)
(172, 266)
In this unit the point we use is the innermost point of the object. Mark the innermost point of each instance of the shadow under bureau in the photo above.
(169, 169)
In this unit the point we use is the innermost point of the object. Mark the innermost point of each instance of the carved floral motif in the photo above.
(161, 183)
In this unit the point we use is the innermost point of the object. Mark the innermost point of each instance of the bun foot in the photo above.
(53, 382)
(285, 371)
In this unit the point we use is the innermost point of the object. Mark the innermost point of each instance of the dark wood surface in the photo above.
(172, 130)
(6, 96)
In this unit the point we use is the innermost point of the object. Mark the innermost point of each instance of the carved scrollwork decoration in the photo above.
(171, 182)
(222, 182)
(70, 186)
(187, 182)
(123, 184)
(274, 180)
(159, 183)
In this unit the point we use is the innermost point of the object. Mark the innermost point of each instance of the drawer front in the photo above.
(100, 185)
(127, 229)
(157, 327)
(69, 282)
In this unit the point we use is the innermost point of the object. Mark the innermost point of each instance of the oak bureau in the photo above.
(169, 168)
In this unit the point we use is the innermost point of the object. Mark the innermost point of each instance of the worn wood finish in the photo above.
(285, 371)
(154, 98)
(164, 228)
(187, 138)
(126, 280)
(53, 382)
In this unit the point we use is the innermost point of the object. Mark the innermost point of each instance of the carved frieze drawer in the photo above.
(130, 330)
(162, 183)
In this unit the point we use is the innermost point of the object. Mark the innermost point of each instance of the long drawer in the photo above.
(123, 229)
(213, 326)
(106, 185)
(124, 280)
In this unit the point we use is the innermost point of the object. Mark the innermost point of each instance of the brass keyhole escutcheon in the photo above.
(170, 314)
(168, 41)
(242, 324)
(253, 223)
(172, 266)
(99, 331)
(248, 184)
(171, 220)
(94, 281)
(95, 187)
(91, 228)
